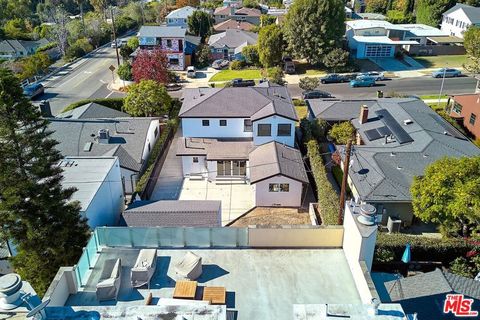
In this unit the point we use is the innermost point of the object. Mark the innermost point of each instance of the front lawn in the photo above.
(228, 75)
(304, 68)
(453, 61)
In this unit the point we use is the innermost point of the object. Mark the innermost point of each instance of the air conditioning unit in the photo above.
(103, 136)
(394, 224)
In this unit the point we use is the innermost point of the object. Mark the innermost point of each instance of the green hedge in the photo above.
(328, 201)
(114, 103)
(422, 248)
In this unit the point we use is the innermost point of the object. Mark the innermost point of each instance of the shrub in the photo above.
(78, 49)
(308, 84)
(237, 64)
(342, 132)
(46, 47)
(125, 72)
(383, 255)
(462, 267)
(251, 55)
(299, 102)
(275, 75)
(203, 56)
(114, 103)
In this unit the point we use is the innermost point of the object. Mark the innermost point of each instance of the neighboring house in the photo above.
(92, 110)
(377, 39)
(232, 3)
(233, 24)
(425, 293)
(245, 135)
(174, 41)
(368, 16)
(99, 185)
(466, 109)
(243, 14)
(396, 140)
(179, 17)
(130, 139)
(174, 213)
(13, 49)
(457, 19)
(229, 44)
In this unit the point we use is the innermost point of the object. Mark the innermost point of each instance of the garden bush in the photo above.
(237, 65)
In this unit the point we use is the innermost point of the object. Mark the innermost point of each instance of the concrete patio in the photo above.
(236, 198)
(260, 283)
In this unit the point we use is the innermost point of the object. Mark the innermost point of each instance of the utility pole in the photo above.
(346, 166)
(441, 87)
(115, 37)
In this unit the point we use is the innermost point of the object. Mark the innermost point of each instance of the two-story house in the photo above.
(246, 135)
(457, 19)
(174, 41)
(249, 15)
(228, 45)
(179, 17)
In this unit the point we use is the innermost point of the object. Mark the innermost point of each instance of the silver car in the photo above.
(378, 76)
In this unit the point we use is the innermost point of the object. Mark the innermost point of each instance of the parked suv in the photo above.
(362, 81)
(33, 90)
(316, 94)
(333, 78)
(288, 65)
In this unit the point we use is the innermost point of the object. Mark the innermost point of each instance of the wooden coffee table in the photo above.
(185, 289)
(216, 295)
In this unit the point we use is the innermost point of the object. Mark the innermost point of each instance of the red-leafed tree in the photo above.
(150, 65)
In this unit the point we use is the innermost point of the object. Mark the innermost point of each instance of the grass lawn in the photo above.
(433, 96)
(227, 75)
(304, 68)
(442, 61)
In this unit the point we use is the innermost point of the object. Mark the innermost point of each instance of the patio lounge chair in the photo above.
(144, 268)
(190, 267)
(110, 279)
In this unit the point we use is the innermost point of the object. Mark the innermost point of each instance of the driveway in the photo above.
(170, 180)
(236, 198)
(393, 65)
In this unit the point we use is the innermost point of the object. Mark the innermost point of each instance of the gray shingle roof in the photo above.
(215, 149)
(473, 13)
(92, 110)
(21, 45)
(128, 136)
(272, 159)
(232, 38)
(174, 213)
(337, 110)
(161, 32)
(384, 172)
(430, 284)
(237, 103)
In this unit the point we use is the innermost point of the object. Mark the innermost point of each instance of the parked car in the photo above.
(220, 64)
(117, 43)
(378, 76)
(316, 94)
(239, 82)
(449, 73)
(173, 86)
(333, 78)
(191, 73)
(34, 90)
(362, 81)
(288, 65)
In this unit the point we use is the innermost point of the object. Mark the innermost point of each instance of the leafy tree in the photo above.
(398, 16)
(125, 71)
(125, 52)
(250, 3)
(314, 27)
(150, 65)
(16, 29)
(274, 75)
(184, 3)
(462, 267)
(237, 65)
(342, 132)
(429, 12)
(251, 55)
(35, 65)
(308, 84)
(337, 58)
(266, 20)
(78, 49)
(377, 6)
(447, 194)
(200, 24)
(471, 42)
(37, 216)
(203, 56)
(147, 98)
(270, 45)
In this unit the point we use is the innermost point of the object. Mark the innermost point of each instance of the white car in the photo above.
(191, 73)
(378, 76)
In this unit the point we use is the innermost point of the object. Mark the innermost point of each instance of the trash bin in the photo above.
(379, 94)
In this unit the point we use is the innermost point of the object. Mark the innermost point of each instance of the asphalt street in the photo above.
(412, 86)
(86, 78)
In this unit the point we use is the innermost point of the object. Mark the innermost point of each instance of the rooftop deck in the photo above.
(260, 283)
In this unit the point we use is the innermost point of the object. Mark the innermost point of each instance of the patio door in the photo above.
(232, 168)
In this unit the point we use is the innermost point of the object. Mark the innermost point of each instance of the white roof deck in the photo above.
(382, 40)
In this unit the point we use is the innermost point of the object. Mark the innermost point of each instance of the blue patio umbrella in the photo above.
(407, 255)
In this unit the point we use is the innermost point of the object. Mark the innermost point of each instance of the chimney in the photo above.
(363, 114)
(103, 136)
(358, 139)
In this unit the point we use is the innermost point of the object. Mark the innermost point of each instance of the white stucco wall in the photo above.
(108, 203)
(151, 138)
(452, 28)
(192, 127)
(293, 198)
(194, 168)
(274, 121)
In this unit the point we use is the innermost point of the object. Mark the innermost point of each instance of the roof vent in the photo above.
(367, 214)
(392, 154)
(399, 168)
(103, 136)
(10, 292)
(88, 146)
(407, 122)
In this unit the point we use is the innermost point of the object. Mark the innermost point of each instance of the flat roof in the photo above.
(422, 30)
(445, 39)
(86, 174)
(382, 40)
(386, 311)
(260, 283)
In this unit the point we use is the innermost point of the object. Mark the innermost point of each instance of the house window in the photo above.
(205, 123)
(247, 125)
(174, 61)
(278, 187)
(169, 43)
(223, 123)
(457, 108)
(264, 130)
(284, 130)
(473, 117)
(195, 159)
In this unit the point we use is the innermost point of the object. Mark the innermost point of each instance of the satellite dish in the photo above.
(39, 311)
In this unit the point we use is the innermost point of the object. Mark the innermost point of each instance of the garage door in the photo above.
(378, 51)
